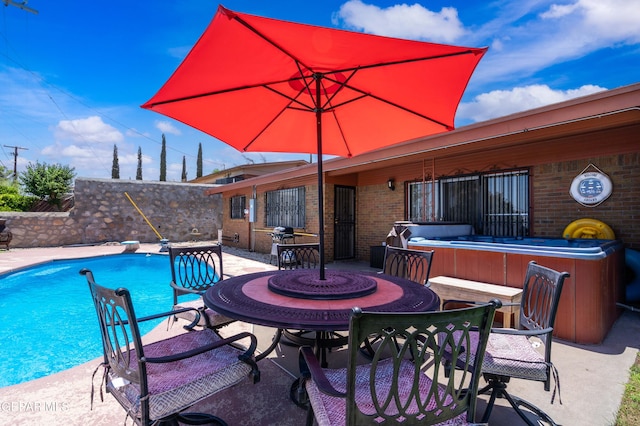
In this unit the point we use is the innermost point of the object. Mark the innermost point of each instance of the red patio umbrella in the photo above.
(265, 85)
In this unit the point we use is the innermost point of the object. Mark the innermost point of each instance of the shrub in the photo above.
(12, 201)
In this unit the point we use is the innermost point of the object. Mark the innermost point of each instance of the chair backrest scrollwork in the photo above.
(121, 340)
(414, 265)
(298, 256)
(418, 345)
(194, 269)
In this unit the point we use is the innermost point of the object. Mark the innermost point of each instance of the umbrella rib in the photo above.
(246, 147)
(367, 94)
(410, 60)
(393, 104)
(204, 95)
(304, 106)
(344, 138)
(268, 40)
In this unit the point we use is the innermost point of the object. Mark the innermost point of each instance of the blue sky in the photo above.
(73, 76)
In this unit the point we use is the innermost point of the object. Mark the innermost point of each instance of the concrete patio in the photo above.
(592, 377)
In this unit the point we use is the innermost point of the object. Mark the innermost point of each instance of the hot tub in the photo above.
(588, 302)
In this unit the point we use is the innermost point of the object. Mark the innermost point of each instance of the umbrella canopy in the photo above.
(265, 85)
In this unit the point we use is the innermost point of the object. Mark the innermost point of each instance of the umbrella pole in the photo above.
(320, 185)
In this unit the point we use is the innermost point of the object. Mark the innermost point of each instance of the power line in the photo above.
(22, 5)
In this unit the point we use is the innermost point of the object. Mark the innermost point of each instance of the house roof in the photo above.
(249, 170)
(599, 111)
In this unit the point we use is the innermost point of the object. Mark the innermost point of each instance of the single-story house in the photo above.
(512, 176)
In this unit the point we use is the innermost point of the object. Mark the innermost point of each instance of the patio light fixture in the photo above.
(391, 185)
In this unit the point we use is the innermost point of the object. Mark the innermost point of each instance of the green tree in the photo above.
(5, 175)
(184, 168)
(139, 169)
(199, 161)
(11, 200)
(163, 160)
(115, 168)
(48, 182)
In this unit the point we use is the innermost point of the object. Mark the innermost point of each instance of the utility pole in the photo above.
(15, 160)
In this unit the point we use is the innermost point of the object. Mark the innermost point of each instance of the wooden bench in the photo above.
(449, 288)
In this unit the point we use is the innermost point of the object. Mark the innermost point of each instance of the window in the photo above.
(495, 203)
(238, 204)
(285, 207)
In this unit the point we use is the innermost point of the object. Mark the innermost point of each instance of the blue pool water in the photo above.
(47, 319)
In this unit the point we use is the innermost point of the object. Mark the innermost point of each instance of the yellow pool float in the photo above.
(588, 228)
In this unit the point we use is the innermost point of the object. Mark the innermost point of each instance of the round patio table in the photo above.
(298, 299)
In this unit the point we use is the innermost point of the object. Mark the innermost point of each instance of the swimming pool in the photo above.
(48, 322)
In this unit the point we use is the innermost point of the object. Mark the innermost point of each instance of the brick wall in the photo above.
(256, 236)
(554, 208)
(377, 209)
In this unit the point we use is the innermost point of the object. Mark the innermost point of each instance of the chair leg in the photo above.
(310, 416)
(298, 394)
(498, 389)
(529, 406)
(272, 346)
(367, 347)
(494, 388)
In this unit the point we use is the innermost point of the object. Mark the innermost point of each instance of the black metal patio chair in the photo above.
(404, 382)
(414, 265)
(525, 353)
(193, 271)
(155, 383)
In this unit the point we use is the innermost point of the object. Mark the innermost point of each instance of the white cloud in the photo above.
(88, 130)
(75, 151)
(167, 127)
(528, 39)
(603, 21)
(498, 103)
(559, 10)
(402, 20)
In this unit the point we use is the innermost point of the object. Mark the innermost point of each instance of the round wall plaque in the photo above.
(591, 188)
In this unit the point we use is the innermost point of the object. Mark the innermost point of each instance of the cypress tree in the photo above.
(199, 161)
(139, 169)
(115, 167)
(163, 160)
(184, 169)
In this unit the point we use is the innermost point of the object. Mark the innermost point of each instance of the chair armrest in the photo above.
(163, 314)
(498, 303)
(189, 327)
(513, 331)
(183, 290)
(206, 348)
(310, 368)
(246, 357)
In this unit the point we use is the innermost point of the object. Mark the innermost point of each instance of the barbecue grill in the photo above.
(281, 235)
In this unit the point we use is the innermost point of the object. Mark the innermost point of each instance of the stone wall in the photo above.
(103, 213)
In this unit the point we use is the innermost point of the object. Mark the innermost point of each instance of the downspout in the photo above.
(252, 224)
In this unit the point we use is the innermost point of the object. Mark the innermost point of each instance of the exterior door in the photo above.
(344, 233)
